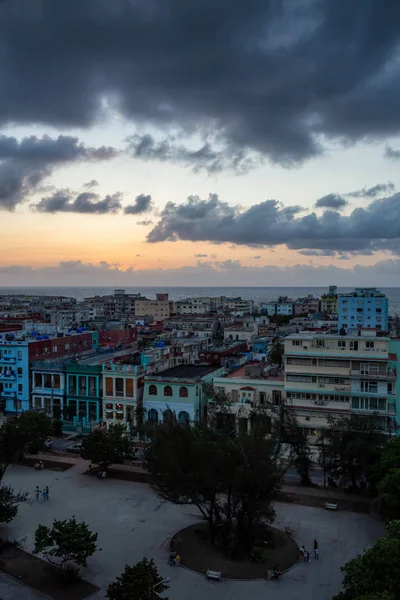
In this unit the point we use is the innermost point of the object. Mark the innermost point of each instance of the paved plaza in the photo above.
(132, 523)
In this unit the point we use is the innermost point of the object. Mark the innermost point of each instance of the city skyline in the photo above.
(230, 145)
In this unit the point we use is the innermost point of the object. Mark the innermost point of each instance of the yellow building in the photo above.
(159, 309)
(329, 304)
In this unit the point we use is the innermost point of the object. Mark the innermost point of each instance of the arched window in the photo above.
(183, 392)
(183, 417)
(168, 390)
(167, 416)
(153, 390)
(153, 415)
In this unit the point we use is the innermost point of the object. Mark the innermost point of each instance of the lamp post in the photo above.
(166, 580)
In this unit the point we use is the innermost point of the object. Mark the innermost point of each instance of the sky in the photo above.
(145, 142)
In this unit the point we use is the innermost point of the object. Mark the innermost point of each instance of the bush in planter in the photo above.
(257, 554)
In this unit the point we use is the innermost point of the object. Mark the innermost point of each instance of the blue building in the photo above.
(260, 345)
(14, 375)
(363, 308)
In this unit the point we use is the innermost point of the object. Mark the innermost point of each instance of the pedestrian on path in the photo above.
(37, 492)
(47, 492)
(44, 495)
(316, 553)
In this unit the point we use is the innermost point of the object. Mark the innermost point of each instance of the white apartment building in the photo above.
(192, 306)
(338, 375)
(239, 305)
(159, 309)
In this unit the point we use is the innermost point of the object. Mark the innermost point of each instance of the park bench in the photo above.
(331, 505)
(213, 575)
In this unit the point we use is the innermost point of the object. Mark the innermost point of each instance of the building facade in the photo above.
(333, 375)
(177, 393)
(48, 385)
(159, 309)
(122, 391)
(84, 392)
(364, 308)
(14, 376)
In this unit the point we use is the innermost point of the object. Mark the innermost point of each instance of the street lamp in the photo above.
(166, 580)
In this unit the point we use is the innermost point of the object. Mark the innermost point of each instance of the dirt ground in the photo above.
(41, 576)
(199, 555)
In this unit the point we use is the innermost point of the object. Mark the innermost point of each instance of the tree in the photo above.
(9, 501)
(67, 541)
(106, 448)
(232, 479)
(353, 446)
(388, 502)
(376, 572)
(289, 432)
(140, 582)
(276, 351)
(22, 435)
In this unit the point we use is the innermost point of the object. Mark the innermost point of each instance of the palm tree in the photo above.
(275, 353)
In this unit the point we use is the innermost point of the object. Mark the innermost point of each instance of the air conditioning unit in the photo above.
(307, 418)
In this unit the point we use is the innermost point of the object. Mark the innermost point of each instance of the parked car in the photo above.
(76, 448)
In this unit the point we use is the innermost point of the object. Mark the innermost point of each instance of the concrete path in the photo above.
(132, 523)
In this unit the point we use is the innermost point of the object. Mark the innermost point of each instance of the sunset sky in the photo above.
(202, 143)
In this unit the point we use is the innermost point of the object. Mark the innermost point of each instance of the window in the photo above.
(66, 346)
(119, 387)
(295, 342)
(276, 397)
(354, 346)
(129, 388)
(57, 381)
(54, 349)
(19, 371)
(20, 388)
(341, 344)
(320, 343)
(183, 392)
(153, 390)
(38, 380)
(47, 380)
(153, 415)
(119, 412)
(262, 398)
(167, 416)
(37, 402)
(381, 404)
(109, 386)
(370, 344)
(304, 378)
(370, 387)
(168, 390)
(20, 353)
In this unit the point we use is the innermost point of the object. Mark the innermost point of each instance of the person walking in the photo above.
(47, 492)
(316, 553)
(44, 495)
(37, 492)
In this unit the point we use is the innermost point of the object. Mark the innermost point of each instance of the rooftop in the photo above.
(186, 371)
(241, 374)
(334, 336)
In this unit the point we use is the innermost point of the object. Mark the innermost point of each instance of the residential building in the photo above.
(306, 305)
(177, 392)
(283, 307)
(240, 333)
(17, 352)
(48, 385)
(122, 391)
(363, 308)
(239, 306)
(217, 355)
(192, 306)
(83, 393)
(329, 301)
(260, 347)
(159, 309)
(339, 375)
(254, 385)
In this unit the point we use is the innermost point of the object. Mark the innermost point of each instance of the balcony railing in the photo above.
(390, 374)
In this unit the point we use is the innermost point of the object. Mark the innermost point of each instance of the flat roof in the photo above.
(241, 374)
(186, 371)
(334, 336)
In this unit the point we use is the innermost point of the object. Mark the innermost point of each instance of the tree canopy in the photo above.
(388, 502)
(140, 582)
(232, 479)
(353, 447)
(106, 448)
(276, 351)
(21, 435)
(66, 542)
(9, 501)
(376, 572)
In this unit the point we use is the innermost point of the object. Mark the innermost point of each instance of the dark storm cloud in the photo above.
(85, 203)
(364, 230)
(145, 223)
(91, 184)
(206, 157)
(392, 154)
(25, 163)
(273, 77)
(372, 192)
(331, 201)
(142, 204)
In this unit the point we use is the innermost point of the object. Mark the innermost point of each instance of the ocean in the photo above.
(258, 294)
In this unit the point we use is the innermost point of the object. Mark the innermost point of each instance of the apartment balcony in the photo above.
(8, 359)
(8, 376)
(390, 374)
